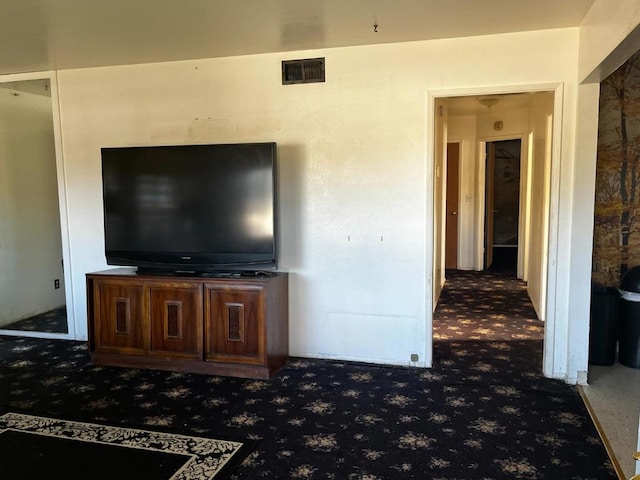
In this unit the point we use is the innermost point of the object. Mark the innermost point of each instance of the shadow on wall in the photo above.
(291, 160)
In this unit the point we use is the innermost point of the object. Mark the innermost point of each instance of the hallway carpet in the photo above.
(485, 306)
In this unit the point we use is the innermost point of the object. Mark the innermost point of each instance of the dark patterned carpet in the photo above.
(485, 306)
(53, 321)
(483, 412)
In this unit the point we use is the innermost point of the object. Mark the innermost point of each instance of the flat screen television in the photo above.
(191, 208)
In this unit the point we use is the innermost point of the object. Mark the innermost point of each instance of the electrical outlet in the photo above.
(56, 283)
(414, 357)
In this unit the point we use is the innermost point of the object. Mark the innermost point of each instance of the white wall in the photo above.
(515, 123)
(354, 167)
(30, 241)
(539, 209)
(582, 226)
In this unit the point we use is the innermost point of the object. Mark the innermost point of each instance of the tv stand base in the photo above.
(181, 365)
(233, 326)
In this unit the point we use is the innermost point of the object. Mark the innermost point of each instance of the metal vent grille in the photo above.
(310, 70)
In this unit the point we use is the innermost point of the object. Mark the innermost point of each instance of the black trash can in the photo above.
(603, 332)
(629, 332)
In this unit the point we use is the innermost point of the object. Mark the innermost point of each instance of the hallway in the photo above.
(493, 306)
(485, 306)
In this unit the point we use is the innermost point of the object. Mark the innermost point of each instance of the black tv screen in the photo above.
(193, 208)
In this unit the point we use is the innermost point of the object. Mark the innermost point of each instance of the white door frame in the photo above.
(555, 327)
(480, 198)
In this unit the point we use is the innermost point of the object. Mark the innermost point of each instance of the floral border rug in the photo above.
(174, 457)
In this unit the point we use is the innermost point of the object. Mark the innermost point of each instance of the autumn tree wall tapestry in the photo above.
(616, 235)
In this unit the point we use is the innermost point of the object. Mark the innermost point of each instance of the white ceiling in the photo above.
(484, 104)
(40, 35)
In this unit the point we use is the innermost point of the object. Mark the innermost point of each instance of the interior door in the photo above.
(489, 205)
(451, 242)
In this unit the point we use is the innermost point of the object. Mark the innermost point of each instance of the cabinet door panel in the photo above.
(234, 320)
(176, 320)
(120, 309)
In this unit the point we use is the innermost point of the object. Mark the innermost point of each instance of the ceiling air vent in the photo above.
(310, 70)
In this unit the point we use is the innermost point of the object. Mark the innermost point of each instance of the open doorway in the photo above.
(502, 214)
(502, 206)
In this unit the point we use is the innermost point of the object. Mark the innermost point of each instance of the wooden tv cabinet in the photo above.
(231, 325)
